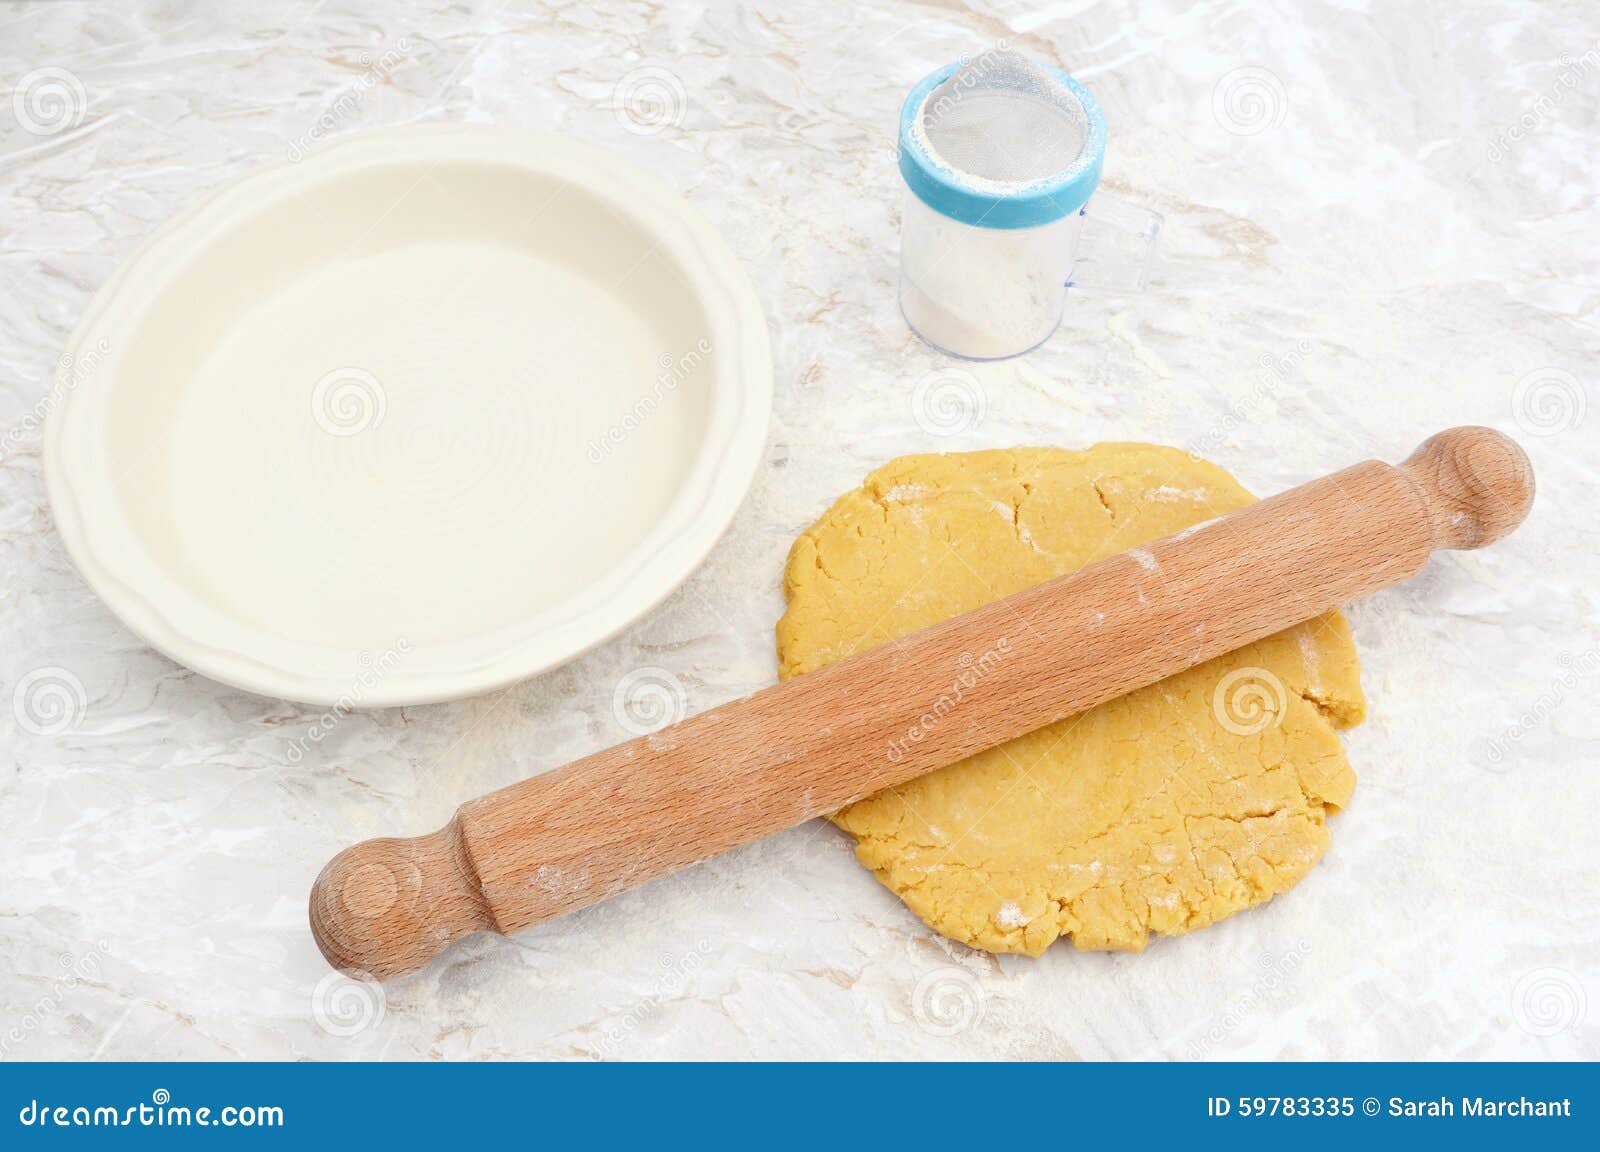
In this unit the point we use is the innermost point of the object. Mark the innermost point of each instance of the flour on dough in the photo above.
(1163, 811)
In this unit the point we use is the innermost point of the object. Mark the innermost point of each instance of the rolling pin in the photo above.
(813, 744)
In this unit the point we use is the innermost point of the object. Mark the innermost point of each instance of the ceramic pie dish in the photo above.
(429, 412)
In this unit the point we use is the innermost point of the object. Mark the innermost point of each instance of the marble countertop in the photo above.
(1380, 220)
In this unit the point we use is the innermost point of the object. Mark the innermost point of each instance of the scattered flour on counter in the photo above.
(1121, 326)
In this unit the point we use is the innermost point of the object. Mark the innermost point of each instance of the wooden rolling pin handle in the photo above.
(628, 814)
(1476, 485)
(423, 890)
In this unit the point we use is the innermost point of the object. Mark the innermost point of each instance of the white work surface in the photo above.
(1384, 225)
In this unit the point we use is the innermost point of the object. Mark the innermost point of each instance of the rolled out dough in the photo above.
(1163, 811)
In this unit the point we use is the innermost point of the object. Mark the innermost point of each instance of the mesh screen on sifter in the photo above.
(1000, 119)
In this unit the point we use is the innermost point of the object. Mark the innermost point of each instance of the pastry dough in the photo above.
(1163, 811)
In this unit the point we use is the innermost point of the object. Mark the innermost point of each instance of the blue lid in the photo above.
(1024, 205)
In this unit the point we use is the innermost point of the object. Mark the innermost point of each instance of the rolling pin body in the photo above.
(637, 811)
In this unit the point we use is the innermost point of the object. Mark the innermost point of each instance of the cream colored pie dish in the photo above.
(429, 412)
